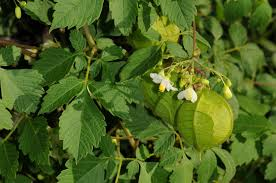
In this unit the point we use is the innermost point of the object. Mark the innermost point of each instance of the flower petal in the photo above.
(156, 78)
(181, 95)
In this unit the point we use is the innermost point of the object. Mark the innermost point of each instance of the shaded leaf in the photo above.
(9, 55)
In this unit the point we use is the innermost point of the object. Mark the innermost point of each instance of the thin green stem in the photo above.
(14, 128)
(88, 68)
(233, 49)
(89, 36)
(119, 171)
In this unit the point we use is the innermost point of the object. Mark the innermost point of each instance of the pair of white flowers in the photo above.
(165, 84)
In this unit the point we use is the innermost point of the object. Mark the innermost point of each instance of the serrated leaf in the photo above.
(107, 146)
(54, 64)
(6, 118)
(132, 168)
(207, 167)
(164, 142)
(213, 25)
(269, 145)
(176, 50)
(226, 158)
(77, 40)
(252, 106)
(8, 161)
(140, 61)
(238, 34)
(234, 10)
(171, 157)
(9, 55)
(183, 173)
(33, 140)
(89, 168)
(81, 126)
(18, 84)
(142, 125)
(61, 93)
(146, 16)
(270, 172)
(252, 58)
(145, 176)
(75, 13)
(116, 97)
(181, 12)
(254, 125)
(124, 13)
(244, 152)
(261, 17)
(38, 10)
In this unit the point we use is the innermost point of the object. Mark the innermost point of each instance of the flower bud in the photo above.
(205, 82)
(18, 12)
(228, 83)
(23, 3)
(227, 92)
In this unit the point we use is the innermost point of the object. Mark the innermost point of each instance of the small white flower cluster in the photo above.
(165, 84)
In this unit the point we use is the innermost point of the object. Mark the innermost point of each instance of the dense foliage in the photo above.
(148, 91)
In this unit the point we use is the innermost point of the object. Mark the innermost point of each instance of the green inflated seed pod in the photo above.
(206, 123)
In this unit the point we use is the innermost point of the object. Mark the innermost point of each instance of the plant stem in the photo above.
(14, 127)
(233, 49)
(93, 47)
(130, 136)
(119, 171)
(194, 37)
(89, 36)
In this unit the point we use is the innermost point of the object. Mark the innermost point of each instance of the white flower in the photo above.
(188, 94)
(163, 81)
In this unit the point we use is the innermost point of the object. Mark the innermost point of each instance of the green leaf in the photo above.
(181, 12)
(54, 64)
(8, 161)
(112, 53)
(238, 34)
(81, 126)
(261, 17)
(33, 140)
(142, 125)
(18, 84)
(146, 16)
(39, 9)
(22, 179)
(183, 173)
(269, 145)
(234, 10)
(252, 58)
(266, 82)
(61, 93)
(252, 106)
(213, 25)
(270, 172)
(89, 168)
(107, 146)
(9, 55)
(141, 61)
(244, 152)
(132, 168)
(71, 13)
(6, 118)
(164, 142)
(254, 125)
(226, 158)
(116, 97)
(124, 13)
(171, 157)
(207, 167)
(145, 176)
(176, 50)
(77, 40)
